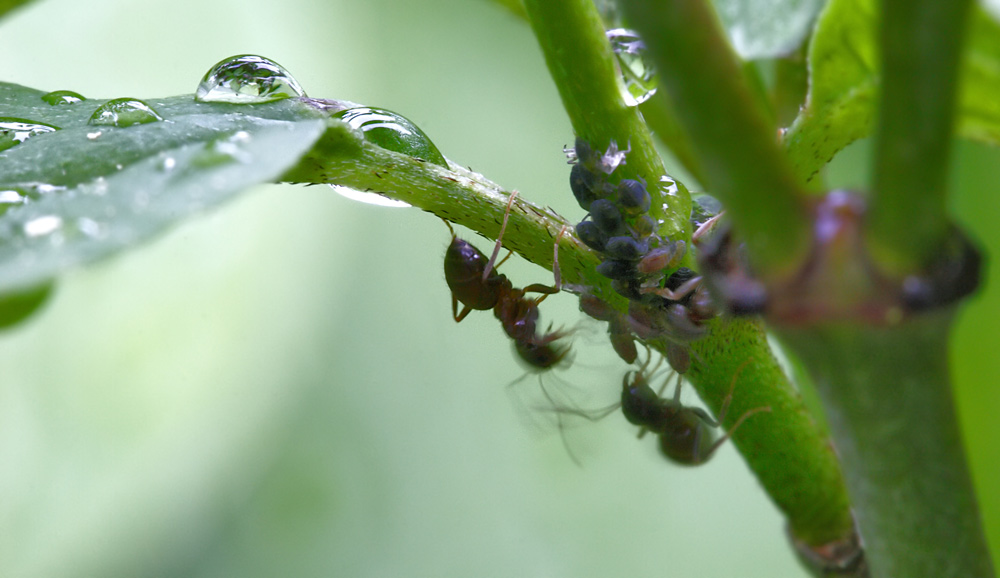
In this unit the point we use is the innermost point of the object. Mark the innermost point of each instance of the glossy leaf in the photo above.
(767, 28)
(844, 78)
(88, 191)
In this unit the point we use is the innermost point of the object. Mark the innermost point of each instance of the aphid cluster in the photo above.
(476, 284)
(666, 301)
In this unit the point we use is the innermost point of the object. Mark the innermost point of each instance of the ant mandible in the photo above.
(685, 432)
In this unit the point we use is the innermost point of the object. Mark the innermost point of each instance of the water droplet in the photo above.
(14, 131)
(123, 112)
(392, 132)
(369, 198)
(94, 135)
(635, 68)
(168, 164)
(223, 150)
(90, 228)
(42, 225)
(247, 79)
(11, 198)
(58, 97)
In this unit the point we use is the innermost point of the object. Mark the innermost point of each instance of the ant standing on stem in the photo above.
(685, 432)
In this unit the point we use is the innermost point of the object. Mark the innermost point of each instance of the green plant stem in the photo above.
(580, 60)
(920, 42)
(738, 147)
(662, 120)
(888, 400)
(797, 473)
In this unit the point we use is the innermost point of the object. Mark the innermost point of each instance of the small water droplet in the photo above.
(14, 131)
(168, 164)
(11, 198)
(42, 226)
(369, 198)
(635, 67)
(392, 132)
(94, 135)
(90, 227)
(123, 112)
(58, 97)
(247, 79)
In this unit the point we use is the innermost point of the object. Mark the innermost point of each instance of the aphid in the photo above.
(615, 269)
(625, 248)
(662, 258)
(591, 235)
(685, 433)
(619, 331)
(633, 198)
(607, 217)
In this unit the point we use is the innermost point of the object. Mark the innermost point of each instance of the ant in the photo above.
(476, 284)
(684, 432)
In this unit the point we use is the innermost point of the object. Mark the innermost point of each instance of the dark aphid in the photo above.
(624, 248)
(591, 235)
(621, 339)
(607, 216)
(644, 226)
(615, 269)
(627, 288)
(585, 154)
(584, 185)
(618, 329)
(633, 197)
(653, 320)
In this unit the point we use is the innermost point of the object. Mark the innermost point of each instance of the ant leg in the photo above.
(503, 227)
(458, 317)
(722, 415)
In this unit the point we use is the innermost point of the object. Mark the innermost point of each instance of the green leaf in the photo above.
(844, 79)
(767, 28)
(8, 5)
(85, 192)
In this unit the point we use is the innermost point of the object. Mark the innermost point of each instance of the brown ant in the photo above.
(476, 284)
(685, 432)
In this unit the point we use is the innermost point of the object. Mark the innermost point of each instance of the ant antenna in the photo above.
(503, 227)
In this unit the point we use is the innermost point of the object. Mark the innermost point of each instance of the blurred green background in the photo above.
(278, 388)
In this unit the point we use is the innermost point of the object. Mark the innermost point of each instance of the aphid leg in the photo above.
(675, 294)
(705, 227)
(503, 227)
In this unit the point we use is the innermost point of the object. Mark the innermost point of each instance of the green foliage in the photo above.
(843, 61)
(93, 190)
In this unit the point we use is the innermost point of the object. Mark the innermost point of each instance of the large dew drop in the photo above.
(392, 132)
(14, 131)
(62, 97)
(123, 112)
(247, 79)
(638, 75)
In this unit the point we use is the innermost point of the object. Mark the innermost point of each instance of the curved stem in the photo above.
(920, 45)
(582, 64)
(737, 145)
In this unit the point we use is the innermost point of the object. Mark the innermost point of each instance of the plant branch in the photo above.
(796, 466)
(582, 65)
(738, 147)
(920, 43)
(888, 399)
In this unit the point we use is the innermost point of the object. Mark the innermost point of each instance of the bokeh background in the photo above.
(278, 388)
